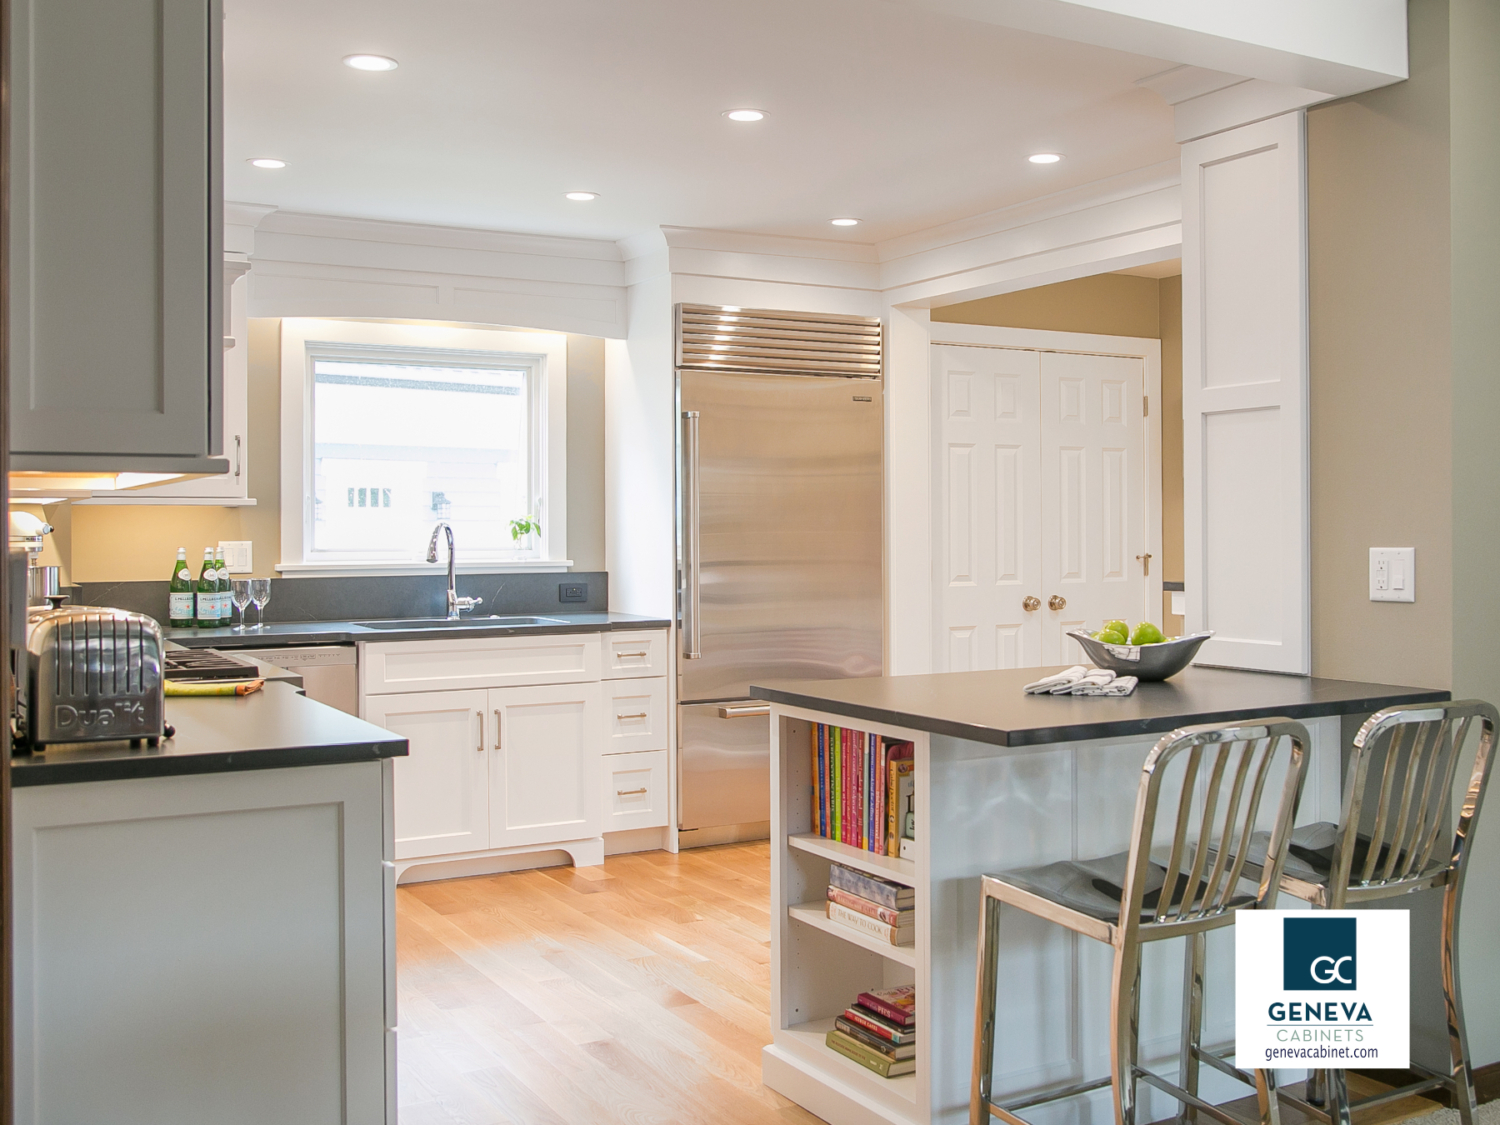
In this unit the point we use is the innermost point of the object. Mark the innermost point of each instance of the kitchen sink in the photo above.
(493, 622)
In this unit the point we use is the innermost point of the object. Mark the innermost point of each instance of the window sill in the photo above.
(352, 569)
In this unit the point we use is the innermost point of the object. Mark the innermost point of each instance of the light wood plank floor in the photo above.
(636, 992)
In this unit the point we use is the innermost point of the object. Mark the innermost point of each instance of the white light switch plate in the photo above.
(237, 556)
(1393, 574)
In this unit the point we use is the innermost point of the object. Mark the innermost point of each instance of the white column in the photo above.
(908, 491)
(1244, 392)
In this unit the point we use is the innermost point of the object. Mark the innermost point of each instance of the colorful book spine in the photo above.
(887, 914)
(872, 887)
(867, 1058)
(872, 927)
(899, 1005)
(875, 1042)
(877, 1026)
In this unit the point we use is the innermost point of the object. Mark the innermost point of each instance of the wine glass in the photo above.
(239, 592)
(260, 594)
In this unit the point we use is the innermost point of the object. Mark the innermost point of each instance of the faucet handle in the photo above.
(460, 605)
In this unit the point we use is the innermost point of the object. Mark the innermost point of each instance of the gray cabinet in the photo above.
(116, 267)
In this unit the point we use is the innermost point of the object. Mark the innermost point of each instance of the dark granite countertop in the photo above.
(275, 728)
(990, 707)
(277, 634)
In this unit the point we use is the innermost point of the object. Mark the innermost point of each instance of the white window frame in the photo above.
(545, 354)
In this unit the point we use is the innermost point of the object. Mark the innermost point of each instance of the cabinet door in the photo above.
(545, 775)
(116, 228)
(442, 785)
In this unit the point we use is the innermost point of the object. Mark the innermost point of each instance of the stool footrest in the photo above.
(1176, 1091)
(1216, 1060)
(1029, 1100)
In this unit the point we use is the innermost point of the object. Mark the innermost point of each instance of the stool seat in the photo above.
(1309, 858)
(1095, 886)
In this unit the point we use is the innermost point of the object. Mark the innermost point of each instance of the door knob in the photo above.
(1031, 604)
(1057, 601)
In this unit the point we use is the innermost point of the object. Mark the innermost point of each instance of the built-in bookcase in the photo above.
(818, 967)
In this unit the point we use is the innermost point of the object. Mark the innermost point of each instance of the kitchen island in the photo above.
(1003, 780)
(205, 929)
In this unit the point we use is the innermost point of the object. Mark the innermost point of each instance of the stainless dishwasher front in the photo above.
(330, 673)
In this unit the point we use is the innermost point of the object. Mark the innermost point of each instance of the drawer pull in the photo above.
(622, 655)
(630, 792)
(642, 715)
(744, 711)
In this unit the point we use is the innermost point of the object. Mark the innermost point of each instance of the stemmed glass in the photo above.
(260, 594)
(239, 592)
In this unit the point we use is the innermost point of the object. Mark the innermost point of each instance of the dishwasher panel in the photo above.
(330, 673)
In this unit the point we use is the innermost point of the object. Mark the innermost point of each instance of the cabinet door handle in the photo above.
(630, 792)
(625, 654)
(498, 728)
(480, 747)
(236, 455)
(744, 710)
(642, 715)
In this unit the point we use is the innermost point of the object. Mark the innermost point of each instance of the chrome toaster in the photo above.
(92, 675)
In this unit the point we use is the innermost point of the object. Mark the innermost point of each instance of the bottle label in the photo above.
(179, 607)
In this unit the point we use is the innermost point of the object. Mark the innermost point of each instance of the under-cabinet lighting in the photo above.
(844, 222)
(745, 114)
(581, 196)
(266, 162)
(370, 62)
(1044, 157)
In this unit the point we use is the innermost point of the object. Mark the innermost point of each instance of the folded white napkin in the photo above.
(1115, 685)
(1065, 680)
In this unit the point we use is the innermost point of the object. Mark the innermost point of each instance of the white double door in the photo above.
(1041, 512)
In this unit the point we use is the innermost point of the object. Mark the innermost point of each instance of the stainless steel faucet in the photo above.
(456, 604)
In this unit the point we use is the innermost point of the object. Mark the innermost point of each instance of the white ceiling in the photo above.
(902, 117)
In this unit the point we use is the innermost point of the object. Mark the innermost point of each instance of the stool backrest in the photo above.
(1401, 808)
(1213, 808)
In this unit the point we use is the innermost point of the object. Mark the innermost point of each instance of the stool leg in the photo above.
(1461, 1073)
(1317, 1081)
(1266, 1097)
(984, 1010)
(1125, 1029)
(1192, 1020)
(1336, 1094)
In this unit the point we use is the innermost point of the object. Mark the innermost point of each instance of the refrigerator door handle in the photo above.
(690, 649)
(744, 710)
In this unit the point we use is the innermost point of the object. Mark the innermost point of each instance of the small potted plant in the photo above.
(522, 529)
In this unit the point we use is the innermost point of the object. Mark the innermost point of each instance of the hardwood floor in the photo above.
(634, 993)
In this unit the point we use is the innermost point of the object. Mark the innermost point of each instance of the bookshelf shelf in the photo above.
(902, 871)
(815, 914)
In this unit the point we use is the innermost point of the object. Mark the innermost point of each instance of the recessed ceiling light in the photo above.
(745, 114)
(581, 196)
(844, 222)
(267, 162)
(1044, 157)
(370, 62)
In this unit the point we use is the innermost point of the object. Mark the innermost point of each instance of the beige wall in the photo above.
(1112, 304)
(1381, 413)
(98, 543)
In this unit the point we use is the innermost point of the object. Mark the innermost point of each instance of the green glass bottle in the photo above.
(226, 606)
(180, 594)
(208, 592)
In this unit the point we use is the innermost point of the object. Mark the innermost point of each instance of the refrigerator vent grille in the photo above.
(767, 341)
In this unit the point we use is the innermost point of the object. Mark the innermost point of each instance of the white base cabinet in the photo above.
(522, 745)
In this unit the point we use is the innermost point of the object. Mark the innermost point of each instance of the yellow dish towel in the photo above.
(245, 687)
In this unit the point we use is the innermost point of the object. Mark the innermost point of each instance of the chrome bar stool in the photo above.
(1395, 815)
(1128, 899)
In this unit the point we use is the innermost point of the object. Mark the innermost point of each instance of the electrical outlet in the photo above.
(573, 592)
(1393, 574)
(237, 555)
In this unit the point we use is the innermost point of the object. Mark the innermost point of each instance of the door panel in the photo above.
(724, 764)
(1093, 496)
(989, 556)
(545, 775)
(442, 785)
(789, 496)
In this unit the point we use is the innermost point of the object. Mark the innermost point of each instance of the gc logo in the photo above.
(1318, 954)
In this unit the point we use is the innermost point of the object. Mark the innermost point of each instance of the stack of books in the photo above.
(862, 789)
(879, 1031)
(878, 907)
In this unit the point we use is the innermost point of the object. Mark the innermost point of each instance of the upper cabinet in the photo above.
(116, 263)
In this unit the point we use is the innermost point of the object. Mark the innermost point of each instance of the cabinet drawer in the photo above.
(635, 793)
(635, 715)
(635, 654)
(478, 662)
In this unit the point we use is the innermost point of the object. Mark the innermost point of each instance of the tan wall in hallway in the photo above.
(1172, 564)
(113, 544)
(1381, 413)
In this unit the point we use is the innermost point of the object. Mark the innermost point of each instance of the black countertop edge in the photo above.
(1032, 735)
(283, 633)
(117, 768)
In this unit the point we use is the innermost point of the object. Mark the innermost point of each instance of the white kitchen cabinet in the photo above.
(635, 791)
(544, 774)
(442, 785)
(632, 654)
(464, 662)
(635, 715)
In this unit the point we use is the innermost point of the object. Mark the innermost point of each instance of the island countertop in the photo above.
(274, 728)
(991, 707)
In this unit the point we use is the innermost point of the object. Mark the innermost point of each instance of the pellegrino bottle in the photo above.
(221, 572)
(180, 594)
(208, 592)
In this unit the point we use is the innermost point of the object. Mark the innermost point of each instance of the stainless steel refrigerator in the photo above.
(779, 545)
